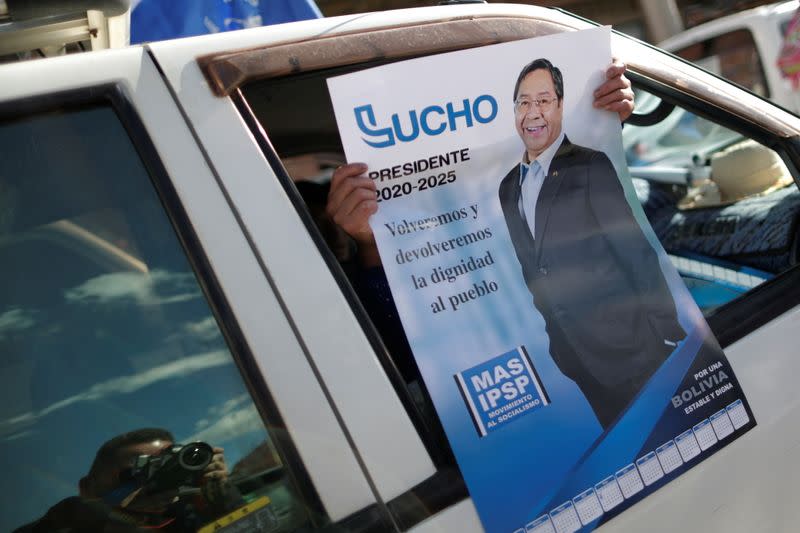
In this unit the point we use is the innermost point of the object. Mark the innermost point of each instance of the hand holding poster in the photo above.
(571, 369)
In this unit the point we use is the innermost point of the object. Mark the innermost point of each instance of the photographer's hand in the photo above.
(215, 477)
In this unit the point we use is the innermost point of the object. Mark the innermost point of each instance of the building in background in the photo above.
(34, 29)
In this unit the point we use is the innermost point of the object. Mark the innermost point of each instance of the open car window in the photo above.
(723, 206)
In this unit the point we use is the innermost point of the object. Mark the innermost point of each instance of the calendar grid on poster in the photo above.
(591, 504)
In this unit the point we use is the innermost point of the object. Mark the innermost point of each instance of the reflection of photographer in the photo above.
(142, 479)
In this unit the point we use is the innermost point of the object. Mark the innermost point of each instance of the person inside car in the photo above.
(111, 500)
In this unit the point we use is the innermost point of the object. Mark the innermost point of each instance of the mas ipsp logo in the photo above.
(431, 121)
(499, 391)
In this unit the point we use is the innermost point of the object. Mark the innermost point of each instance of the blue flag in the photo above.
(155, 20)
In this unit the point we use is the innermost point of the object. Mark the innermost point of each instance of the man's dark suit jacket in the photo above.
(592, 273)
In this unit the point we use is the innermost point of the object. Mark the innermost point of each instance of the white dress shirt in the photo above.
(531, 179)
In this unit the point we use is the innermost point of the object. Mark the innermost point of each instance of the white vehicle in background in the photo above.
(743, 48)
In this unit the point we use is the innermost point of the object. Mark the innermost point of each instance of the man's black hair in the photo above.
(108, 453)
(542, 64)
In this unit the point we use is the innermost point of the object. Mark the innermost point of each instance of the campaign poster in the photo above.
(571, 369)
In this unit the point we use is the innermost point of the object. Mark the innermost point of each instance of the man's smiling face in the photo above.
(538, 125)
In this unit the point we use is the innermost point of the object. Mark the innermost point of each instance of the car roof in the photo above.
(231, 61)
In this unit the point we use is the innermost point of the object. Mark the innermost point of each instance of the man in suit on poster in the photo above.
(352, 200)
(594, 277)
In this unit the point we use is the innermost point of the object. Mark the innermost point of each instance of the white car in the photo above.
(744, 48)
(166, 263)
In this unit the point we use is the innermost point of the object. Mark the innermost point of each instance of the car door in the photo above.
(272, 85)
(132, 306)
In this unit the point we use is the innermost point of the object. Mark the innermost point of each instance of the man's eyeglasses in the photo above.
(523, 105)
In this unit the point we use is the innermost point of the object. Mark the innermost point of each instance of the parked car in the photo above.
(744, 48)
(167, 263)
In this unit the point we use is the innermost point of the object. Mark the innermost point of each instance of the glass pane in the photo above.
(723, 206)
(104, 331)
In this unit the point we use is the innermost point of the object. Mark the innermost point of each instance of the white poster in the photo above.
(564, 355)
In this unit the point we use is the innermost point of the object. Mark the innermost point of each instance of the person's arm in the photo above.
(615, 94)
(351, 201)
(219, 495)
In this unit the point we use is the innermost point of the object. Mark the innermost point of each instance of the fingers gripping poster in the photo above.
(570, 367)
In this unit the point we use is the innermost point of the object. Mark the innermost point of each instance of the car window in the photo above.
(122, 402)
(732, 55)
(723, 206)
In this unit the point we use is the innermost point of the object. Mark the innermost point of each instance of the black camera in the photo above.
(172, 468)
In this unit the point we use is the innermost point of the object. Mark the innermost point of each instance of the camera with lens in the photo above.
(172, 468)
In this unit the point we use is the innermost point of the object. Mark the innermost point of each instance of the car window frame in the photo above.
(759, 306)
(116, 95)
(446, 486)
